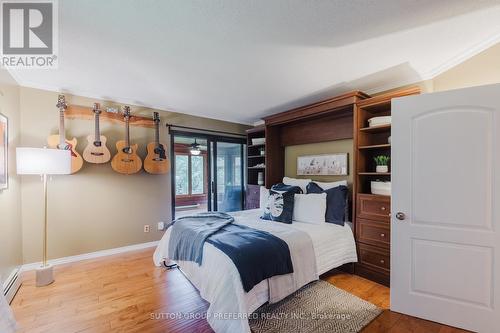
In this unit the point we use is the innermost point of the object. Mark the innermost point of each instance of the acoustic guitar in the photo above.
(156, 161)
(59, 140)
(96, 150)
(126, 161)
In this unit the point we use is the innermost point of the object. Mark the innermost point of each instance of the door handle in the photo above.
(400, 216)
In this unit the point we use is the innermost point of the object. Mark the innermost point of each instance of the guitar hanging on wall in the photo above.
(96, 150)
(156, 161)
(126, 160)
(59, 140)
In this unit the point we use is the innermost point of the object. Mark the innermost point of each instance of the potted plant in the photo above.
(382, 162)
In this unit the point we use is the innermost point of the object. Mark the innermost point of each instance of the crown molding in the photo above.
(462, 57)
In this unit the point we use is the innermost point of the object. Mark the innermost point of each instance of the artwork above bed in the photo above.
(323, 165)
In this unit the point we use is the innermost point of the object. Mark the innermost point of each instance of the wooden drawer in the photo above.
(374, 207)
(252, 197)
(374, 233)
(374, 257)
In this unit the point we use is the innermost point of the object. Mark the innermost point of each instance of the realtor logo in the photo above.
(29, 33)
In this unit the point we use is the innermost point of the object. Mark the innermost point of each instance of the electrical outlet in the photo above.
(161, 226)
(146, 228)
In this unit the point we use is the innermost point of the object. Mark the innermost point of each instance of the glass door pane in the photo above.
(228, 176)
(191, 167)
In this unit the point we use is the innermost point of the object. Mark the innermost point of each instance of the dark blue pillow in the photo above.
(279, 207)
(336, 202)
(280, 187)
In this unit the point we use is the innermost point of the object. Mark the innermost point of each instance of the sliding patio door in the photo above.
(208, 173)
(228, 180)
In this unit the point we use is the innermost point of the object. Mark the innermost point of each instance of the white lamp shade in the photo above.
(43, 161)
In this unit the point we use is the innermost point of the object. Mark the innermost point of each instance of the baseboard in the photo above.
(12, 285)
(91, 255)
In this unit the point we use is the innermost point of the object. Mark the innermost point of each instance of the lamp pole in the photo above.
(45, 224)
(45, 274)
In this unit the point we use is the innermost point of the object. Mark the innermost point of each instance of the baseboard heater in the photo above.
(11, 286)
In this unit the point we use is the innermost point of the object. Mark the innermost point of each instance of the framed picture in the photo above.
(4, 139)
(323, 165)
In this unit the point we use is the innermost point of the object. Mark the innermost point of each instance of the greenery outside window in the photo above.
(189, 174)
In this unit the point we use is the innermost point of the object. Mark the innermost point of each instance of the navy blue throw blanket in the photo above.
(257, 254)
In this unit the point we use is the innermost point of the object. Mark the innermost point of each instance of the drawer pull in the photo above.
(382, 235)
(382, 208)
(382, 261)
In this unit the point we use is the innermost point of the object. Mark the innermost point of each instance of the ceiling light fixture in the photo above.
(195, 148)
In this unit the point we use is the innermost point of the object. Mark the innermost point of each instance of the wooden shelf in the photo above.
(385, 145)
(374, 196)
(374, 173)
(369, 142)
(254, 157)
(83, 112)
(376, 129)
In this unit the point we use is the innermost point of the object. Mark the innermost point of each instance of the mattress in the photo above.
(333, 244)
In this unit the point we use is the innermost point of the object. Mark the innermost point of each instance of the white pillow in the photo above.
(302, 183)
(310, 208)
(264, 195)
(327, 186)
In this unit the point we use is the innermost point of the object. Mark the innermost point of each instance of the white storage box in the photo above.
(381, 188)
(379, 121)
(258, 141)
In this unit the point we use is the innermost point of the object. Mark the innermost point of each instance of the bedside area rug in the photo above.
(318, 307)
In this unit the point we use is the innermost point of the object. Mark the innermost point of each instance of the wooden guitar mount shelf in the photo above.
(83, 112)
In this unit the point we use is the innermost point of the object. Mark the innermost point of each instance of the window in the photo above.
(181, 175)
(189, 174)
(197, 174)
(221, 176)
(237, 170)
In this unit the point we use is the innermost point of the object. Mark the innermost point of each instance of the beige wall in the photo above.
(340, 146)
(10, 199)
(96, 208)
(481, 69)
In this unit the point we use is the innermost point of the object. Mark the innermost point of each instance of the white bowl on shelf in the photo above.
(379, 121)
(381, 188)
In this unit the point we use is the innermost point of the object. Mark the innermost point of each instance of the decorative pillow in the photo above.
(280, 187)
(264, 195)
(336, 202)
(302, 183)
(327, 186)
(279, 207)
(310, 208)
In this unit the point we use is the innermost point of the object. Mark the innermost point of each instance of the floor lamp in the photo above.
(44, 162)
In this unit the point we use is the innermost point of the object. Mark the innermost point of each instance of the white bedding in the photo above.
(219, 282)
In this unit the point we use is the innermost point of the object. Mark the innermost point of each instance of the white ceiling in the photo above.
(241, 60)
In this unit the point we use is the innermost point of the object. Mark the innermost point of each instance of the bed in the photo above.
(218, 280)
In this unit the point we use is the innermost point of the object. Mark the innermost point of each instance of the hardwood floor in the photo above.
(122, 293)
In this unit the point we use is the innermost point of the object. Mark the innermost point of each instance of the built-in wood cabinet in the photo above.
(256, 164)
(256, 155)
(372, 211)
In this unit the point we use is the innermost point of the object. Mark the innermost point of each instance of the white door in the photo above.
(446, 182)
